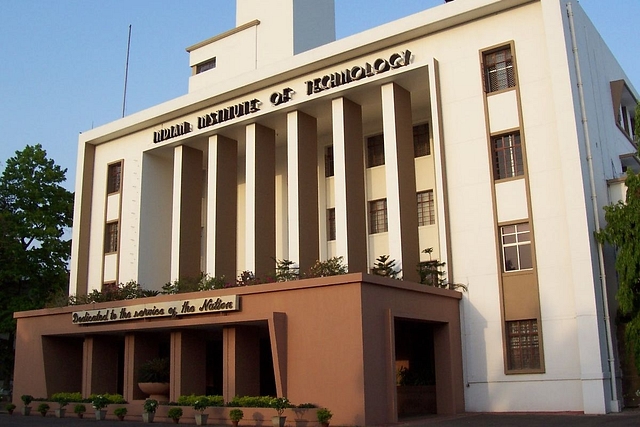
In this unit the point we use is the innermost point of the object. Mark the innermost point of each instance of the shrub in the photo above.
(307, 405)
(154, 371)
(79, 409)
(236, 414)
(280, 404)
(43, 408)
(201, 404)
(100, 402)
(111, 398)
(191, 400)
(324, 415)
(174, 413)
(10, 407)
(120, 412)
(385, 267)
(26, 399)
(150, 406)
(251, 402)
(66, 397)
(331, 267)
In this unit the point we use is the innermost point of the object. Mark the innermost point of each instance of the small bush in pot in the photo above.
(120, 413)
(43, 408)
(80, 409)
(10, 407)
(236, 415)
(175, 413)
(324, 415)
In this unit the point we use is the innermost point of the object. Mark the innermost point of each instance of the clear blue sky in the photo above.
(62, 62)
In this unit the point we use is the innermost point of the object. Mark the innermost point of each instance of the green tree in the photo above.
(623, 232)
(35, 211)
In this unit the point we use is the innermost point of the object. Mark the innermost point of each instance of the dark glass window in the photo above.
(375, 151)
(421, 144)
(114, 178)
(205, 66)
(426, 208)
(328, 161)
(111, 238)
(331, 224)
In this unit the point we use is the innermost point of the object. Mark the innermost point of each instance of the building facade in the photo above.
(482, 134)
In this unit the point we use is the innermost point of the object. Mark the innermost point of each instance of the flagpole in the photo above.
(126, 73)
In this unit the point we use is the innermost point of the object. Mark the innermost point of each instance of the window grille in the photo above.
(516, 247)
(426, 208)
(378, 216)
(331, 224)
(507, 156)
(523, 345)
(111, 238)
(498, 70)
(114, 178)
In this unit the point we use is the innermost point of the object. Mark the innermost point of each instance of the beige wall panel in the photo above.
(503, 111)
(376, 183)
(511, 200)
(113, 207)
(110, 268)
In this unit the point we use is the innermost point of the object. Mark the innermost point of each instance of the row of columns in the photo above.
(240, 377)
(303, 213)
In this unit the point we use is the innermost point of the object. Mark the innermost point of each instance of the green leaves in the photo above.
(623, 232)
(35, 211)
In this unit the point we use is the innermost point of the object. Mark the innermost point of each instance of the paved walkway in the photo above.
(626, 418)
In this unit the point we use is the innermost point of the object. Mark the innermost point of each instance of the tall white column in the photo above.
(350, 201)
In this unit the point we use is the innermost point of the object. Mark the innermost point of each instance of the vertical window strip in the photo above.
(421, 144)
(516, 247)
(378, 216)
(426, 208)
(331, 224)
(375, 151)
(114, 177)
(328, 161)
(111, 237)
(507, 156)
(498, 70)
(523, 351)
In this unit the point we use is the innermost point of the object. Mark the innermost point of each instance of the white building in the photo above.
(492, 131)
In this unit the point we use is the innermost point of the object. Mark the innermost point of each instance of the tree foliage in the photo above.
(35, 211)
(623, 232)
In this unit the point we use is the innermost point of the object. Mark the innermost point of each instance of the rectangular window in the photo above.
(331, 224)
(507, 156)
(516, 247)
(328, 161)
(375, 151)
(498, 70)
(426, 208)
(114, 178)
(523, 345)
(111, 238)
(378, 216)
(421, 144)
(206, 65)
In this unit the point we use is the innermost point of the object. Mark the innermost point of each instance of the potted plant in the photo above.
(175, 413)
(200, 405)
(99, 403)
(153, 378)
(80, 409)
(26, 399)
(324, 415)
(149, 408)
(279, 404)
(62, 402)
(10, 407)
(120, 412)
(236, 415)
(43, 408)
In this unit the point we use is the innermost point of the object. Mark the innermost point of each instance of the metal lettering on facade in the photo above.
(159, 309)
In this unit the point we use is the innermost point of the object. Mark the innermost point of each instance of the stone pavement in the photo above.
(626, 418)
